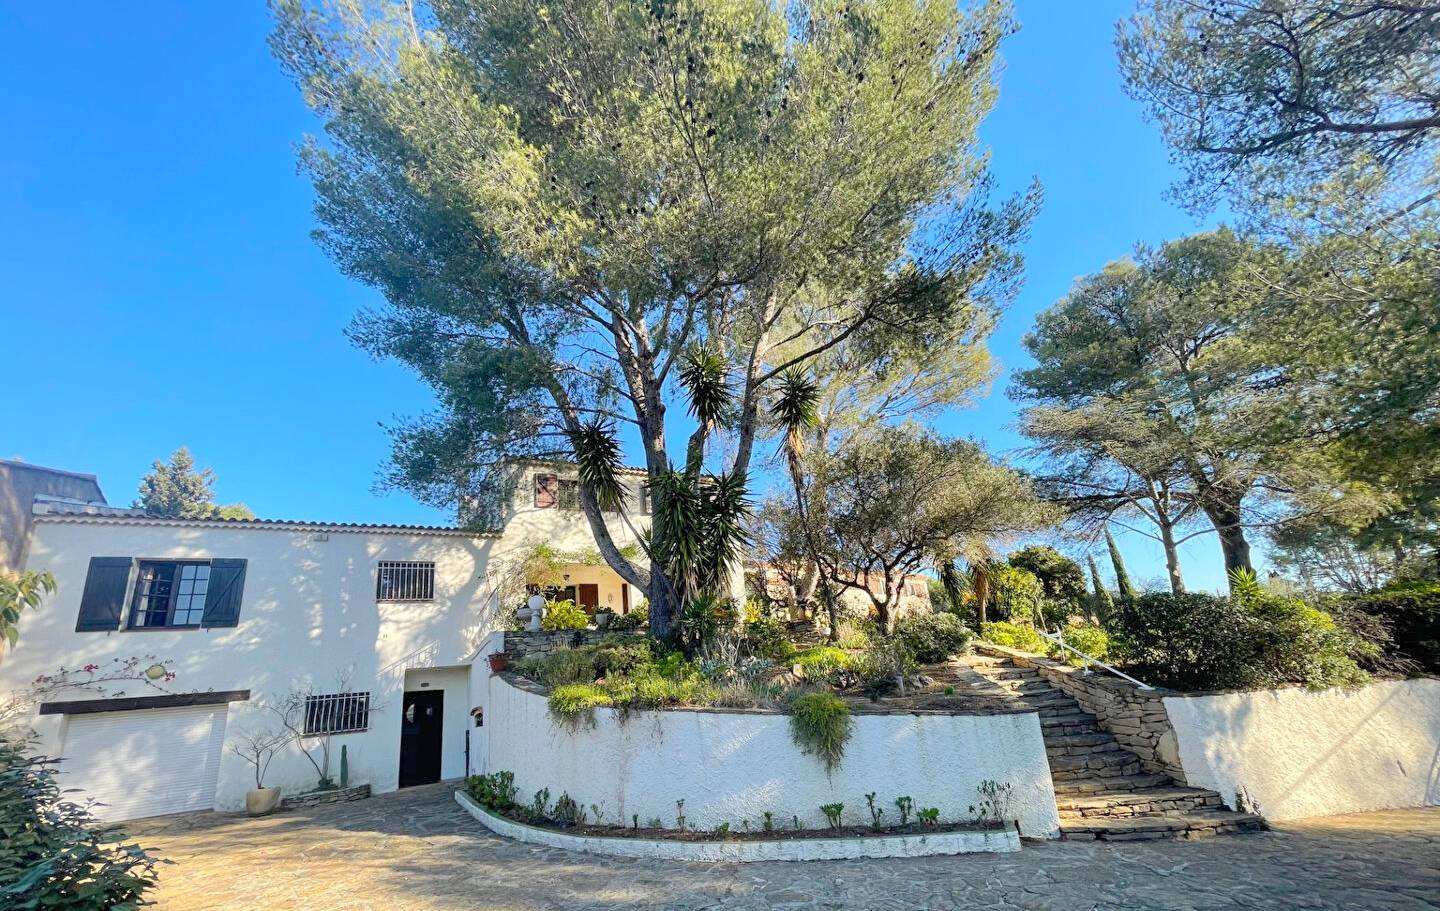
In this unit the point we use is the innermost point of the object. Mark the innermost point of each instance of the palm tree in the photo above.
(796, 410)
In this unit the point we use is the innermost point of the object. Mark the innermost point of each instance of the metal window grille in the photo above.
(405, 581)
(337, 713)
(568, 494)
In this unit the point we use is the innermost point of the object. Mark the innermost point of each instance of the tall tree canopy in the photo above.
(898, 499)
(1167, 346)
(563, 204)
(177, 490)
(1261, 99)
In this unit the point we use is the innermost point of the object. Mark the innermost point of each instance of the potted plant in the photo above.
(258, 746)
(498, 662)
(603, 616)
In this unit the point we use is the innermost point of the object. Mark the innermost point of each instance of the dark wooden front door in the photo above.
(590, 598)
(420, 733)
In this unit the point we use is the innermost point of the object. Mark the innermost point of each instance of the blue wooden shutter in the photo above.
(222, 600)
(104, 597)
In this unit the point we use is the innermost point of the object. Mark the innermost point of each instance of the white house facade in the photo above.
(374, 629)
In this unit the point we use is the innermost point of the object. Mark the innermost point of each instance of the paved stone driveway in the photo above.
(417, 850)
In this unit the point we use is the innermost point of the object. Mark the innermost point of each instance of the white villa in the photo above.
(380, 624)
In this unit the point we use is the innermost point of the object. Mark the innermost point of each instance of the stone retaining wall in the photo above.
(315, 798)
(522, 645)
(1136, 717)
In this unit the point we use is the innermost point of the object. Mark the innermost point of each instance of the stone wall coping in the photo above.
(1100, 677)
(1000, 707)
(963, 841)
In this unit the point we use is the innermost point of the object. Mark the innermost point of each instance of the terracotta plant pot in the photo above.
(262, 801)
(498, 662)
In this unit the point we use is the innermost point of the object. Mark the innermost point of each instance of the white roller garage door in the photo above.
(145, 763)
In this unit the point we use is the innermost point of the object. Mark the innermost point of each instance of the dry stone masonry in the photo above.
(1106, 747)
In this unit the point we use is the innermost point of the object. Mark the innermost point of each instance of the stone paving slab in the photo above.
(418, 850)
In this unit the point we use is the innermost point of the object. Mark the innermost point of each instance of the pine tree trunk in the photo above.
(1172, 555)
(1225, 515)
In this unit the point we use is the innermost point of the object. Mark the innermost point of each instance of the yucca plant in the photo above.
(697, 528)
(795, 410)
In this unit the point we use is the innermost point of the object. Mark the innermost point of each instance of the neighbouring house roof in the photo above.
(58, 472)
(53, 510)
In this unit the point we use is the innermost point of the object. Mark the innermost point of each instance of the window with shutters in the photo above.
(398, 580)
(567, 495)
(337, 713)
(169, 593)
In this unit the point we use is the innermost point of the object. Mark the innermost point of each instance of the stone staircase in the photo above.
(1101, 788)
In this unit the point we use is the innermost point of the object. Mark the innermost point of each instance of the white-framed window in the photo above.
(337, 713)
(405, 580)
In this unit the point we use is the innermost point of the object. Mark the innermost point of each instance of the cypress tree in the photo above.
(1123, 586)
(1104, 604)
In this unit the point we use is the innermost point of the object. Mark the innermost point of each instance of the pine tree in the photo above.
(178, 491)
(1123, 586)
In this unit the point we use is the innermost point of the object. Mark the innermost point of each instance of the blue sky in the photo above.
(162, 288)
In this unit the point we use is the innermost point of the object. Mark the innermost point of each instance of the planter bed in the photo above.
(316, 798)
(744, 847)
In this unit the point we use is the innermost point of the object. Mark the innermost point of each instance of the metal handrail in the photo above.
(1058, 639)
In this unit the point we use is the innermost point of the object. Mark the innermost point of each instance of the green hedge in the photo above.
(1252, 640)
(1410, 612)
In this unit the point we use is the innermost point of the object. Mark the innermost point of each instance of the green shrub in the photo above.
(887, 660)
(820, 724)
(1410, 611)
(855, 635)
(638, 617)
(495, 791)
(53, 853)
(1253, 639)
(1015, 635)
(824, 662)
(1088, 638)
(768, 637)
(561, 615)
(932, 637)
(574, 701)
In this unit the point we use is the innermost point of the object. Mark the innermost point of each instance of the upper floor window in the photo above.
(337, 713)
(567, 494)
(170, 593)
(397, 580)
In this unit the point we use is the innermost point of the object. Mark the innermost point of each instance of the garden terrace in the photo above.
(717, 766)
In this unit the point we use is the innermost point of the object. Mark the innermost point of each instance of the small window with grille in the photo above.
(405, 581)
(337, 713)
(568, 494)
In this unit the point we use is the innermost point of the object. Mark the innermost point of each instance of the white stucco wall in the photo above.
(1297, 752)
(566, 530)
(308, 613)
(732, 766)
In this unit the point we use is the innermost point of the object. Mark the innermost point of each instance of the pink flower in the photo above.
(91, 668)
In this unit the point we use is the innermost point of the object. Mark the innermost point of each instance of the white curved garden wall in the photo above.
(733, 766)
(1297, 752)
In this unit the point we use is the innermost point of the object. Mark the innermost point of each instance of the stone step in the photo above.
(1081, 751)
(1110, 759)
(1087, 786)
(1008, 673)
(1163, 801)
(1099, 738)
(1141, 828)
